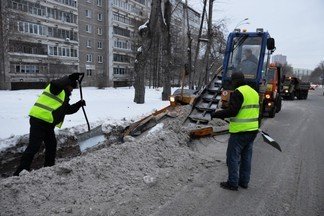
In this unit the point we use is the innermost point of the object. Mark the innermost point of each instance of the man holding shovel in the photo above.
(49, 111)
(243, 112)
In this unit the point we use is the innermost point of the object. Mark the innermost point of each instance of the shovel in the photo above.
(97, 131)
(85, 115)
(267, 139)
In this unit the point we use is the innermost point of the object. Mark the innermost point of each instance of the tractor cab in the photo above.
(249, 53)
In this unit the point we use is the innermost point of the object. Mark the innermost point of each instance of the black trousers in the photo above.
(39, 132)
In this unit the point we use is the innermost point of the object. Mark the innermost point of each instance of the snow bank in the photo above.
(110, 105)
(111, 181)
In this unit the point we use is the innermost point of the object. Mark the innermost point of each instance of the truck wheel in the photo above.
(278, 106)
(272, 113)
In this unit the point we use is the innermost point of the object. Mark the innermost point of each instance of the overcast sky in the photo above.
(296, 25)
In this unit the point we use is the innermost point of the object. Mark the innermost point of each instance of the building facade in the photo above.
(93, 44)
(125, 16)
(40, 41)
(302, 72)
(51, 38)
(281, 59)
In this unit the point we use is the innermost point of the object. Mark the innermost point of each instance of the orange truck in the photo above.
(272, 97)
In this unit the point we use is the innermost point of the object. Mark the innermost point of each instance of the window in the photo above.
(121, 58)
(27, 68)
(141, 1)
(100, 17)
(88, 28)
(120, 71)
(99, 3)
(121, 31)
(68, 2)
(99, 45)
(89, 43)
(121, 44)
(100, 59)
(89, 72)
(31, 28)
(89, 57)
(88, 13)
(99, 31)
(62, 51)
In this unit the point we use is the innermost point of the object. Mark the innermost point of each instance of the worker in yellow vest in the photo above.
(243, 111)
(49, 111)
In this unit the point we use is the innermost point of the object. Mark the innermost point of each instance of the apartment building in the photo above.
(107, 31)
(280, 59)
(49, 38)
(125, 18)
(93, 41)
(39, 40)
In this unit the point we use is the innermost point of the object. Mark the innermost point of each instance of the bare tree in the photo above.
(166, 50)
(155, 40)
(7, 30)
(318, 74)
(204, 77)
(192, 76)
(188, 66)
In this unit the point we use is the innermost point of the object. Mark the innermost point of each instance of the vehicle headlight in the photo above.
(172, 99)
(286, 90)
(267, 96)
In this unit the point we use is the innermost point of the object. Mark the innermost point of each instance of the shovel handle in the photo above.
(80, 86)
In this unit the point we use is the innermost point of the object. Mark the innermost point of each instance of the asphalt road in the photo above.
(282, 183)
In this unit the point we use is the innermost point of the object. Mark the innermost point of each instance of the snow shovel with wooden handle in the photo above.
(97, 131)
(80, 86)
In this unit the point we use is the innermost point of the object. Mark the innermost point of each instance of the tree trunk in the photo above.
(166, 50)
(192, 76)
(204, 77)
(155, 46)
(188, 68)
(139, 83)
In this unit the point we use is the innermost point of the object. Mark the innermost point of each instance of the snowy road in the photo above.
(110, 181)
(287, 183)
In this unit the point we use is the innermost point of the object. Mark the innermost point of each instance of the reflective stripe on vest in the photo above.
(46, 104)
(248, 117)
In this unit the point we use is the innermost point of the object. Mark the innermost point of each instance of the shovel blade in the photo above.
(270, 141)
(89, 134)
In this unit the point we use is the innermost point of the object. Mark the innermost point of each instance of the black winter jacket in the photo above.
(66, 109)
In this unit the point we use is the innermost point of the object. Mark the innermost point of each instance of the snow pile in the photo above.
(110, 106)
(134, 178)
(144, 26)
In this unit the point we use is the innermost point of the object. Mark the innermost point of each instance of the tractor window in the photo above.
(244, 56)
(270, 74)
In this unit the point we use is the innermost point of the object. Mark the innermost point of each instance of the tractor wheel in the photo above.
(278, 105)
(272, 113)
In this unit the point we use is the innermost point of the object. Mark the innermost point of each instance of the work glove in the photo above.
(81, 103)
(74, 76)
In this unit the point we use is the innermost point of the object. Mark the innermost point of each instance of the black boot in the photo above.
(227, 186)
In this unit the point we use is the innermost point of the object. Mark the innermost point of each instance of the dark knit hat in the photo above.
(73, 83)
(237, 76)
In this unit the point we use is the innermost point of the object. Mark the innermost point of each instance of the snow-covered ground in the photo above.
(108, 105)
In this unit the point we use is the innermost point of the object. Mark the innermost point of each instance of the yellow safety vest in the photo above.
(248, 117)
(46, 104)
